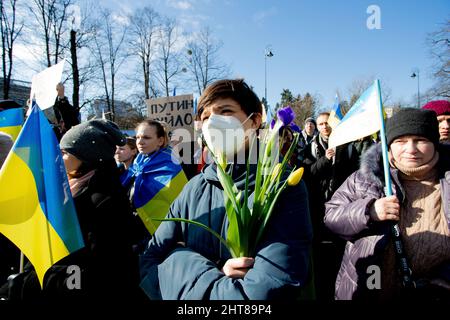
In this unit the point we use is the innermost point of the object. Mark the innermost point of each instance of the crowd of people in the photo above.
(333, 232)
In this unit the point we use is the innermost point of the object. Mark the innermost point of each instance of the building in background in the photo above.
(126, 116)
(19, 91)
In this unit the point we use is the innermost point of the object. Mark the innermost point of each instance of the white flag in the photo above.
(363, 119)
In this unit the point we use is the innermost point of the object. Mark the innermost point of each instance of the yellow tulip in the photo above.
(276, 170)
(295, 177)
(221, 159)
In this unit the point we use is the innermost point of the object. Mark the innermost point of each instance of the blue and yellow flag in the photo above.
(363, 119)
(11, 121)
(335, 114)
(37, 212)
(158, 179)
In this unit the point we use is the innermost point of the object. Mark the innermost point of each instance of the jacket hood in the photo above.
(372, 162)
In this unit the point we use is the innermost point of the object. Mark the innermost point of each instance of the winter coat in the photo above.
(347, 214)
(183, 261)
(323, 176)
(66, 112)
(109, 270)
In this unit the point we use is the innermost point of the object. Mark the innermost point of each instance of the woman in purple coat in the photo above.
(360, 212)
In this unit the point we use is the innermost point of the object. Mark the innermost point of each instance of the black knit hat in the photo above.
(310, 119)
(93, 141)
(410, 121)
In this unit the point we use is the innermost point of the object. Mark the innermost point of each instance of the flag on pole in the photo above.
(11, 121)
(174, 91)
(37, 212)
(335, 114)
(361, 120)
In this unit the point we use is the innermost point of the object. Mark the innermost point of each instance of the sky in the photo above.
(318, 46)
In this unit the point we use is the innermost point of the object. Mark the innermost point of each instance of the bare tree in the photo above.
(108, 40)
(143, 32)
(51, 16)
(439, 43)
(204, 63)
(303, 107)
(360, 85)
(168, 62)
(81, 38)
(9, 34)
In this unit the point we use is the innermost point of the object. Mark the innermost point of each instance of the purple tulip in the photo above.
(286, 115)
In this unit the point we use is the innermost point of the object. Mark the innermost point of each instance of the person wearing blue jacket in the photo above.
(184, 261)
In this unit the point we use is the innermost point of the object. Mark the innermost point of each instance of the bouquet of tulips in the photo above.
(247, 222)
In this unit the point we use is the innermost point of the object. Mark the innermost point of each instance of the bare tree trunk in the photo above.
(112, 57)
(113, 114)
(52, 16)
(8, 34)
(75, 71)
(203, 61)
(144, 24)
(166, 77)
(3, 34)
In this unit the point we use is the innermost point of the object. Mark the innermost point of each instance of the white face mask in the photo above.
(224, 134)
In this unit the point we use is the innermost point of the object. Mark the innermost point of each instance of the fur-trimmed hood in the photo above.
(372, 163)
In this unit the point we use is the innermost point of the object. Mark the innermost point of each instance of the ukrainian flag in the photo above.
(335, 114)
(11, 121)
(36, 208)
(363, 119)
(158, 179)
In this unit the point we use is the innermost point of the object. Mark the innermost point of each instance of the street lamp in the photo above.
(414, 75)
(267, 54)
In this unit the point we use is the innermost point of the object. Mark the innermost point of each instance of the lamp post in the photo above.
(267, 54)
(414, 75)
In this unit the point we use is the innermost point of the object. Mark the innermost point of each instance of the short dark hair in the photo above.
(235, 89)
(131, 142)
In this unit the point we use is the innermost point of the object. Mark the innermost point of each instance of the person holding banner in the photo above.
(66, 115)
(325, 169)
(360, 213)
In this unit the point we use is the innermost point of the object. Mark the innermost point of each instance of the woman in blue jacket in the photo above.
(183, 261)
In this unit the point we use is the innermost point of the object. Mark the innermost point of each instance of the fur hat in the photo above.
(439, 106)
(93, 141)
(410, 121)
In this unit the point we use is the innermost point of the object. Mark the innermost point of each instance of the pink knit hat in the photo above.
(439, 106)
